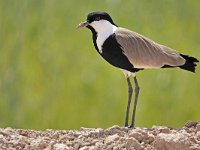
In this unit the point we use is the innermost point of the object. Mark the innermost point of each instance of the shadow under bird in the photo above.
(132, 52)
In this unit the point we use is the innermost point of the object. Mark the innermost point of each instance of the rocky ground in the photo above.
(114, 138)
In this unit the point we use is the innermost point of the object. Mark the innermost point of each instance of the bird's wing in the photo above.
(145, 53)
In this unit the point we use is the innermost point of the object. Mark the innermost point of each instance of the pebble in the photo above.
(60, 146)
(111, 139)
(137, 135)
(114, 138)
(173, 141)
(84, 148)
(198, 127)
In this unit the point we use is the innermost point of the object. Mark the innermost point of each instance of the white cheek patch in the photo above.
(104, 29)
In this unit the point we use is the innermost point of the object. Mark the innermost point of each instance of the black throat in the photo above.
(94, 37)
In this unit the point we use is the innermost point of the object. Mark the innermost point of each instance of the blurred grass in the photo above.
(51, 76)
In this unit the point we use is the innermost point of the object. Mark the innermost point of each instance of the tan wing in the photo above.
(145, 53)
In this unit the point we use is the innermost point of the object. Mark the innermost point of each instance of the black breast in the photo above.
(113, 53)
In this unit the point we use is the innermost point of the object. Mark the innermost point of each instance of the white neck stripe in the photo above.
(104, 29)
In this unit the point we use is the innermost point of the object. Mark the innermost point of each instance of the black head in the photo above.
(96, 16)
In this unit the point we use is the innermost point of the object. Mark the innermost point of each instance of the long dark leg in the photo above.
(130, 92)
(137, 89)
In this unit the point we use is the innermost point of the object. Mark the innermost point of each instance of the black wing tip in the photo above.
(190, 64)
(190, 58)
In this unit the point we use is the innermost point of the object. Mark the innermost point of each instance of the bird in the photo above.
(132, 52)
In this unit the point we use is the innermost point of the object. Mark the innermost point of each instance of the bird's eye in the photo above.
(97, 18)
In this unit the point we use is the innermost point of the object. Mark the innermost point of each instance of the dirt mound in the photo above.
(116, 138)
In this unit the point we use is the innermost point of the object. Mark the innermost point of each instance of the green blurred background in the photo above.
(52, 77)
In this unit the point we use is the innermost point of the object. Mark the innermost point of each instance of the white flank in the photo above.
(104, 29)
(126, 73)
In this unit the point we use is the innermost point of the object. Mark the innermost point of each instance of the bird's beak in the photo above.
(82, 24)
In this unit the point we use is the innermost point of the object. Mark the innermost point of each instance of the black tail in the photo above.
(190, 63)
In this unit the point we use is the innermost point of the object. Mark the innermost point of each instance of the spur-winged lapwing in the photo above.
(132, 52)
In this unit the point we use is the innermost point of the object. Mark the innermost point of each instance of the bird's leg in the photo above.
(130, 92)
(137, 89)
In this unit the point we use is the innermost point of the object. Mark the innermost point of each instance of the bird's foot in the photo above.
(131, 126)
(126, 125)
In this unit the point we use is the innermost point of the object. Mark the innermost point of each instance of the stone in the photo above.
(175, 141)
(60, 146)
(111, 138)
(133, 143)
(84, 148)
